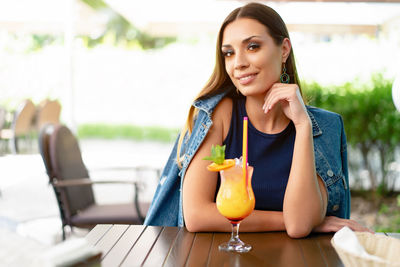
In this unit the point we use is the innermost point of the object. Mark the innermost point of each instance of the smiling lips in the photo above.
(247, 78)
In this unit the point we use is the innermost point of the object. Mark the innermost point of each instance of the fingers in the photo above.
(277, 93)
(334, 224)
(355, 226)
(287, 93)
(291, 102)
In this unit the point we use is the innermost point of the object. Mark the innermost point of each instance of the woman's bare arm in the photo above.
(199, 187)
(305, 199)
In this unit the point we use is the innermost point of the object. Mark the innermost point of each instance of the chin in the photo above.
(252, 91)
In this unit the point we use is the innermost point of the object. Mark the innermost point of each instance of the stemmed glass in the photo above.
(235, 201)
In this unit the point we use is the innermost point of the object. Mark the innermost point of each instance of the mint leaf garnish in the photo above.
(217, 154)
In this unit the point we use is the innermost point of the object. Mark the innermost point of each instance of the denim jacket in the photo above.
(330, 151)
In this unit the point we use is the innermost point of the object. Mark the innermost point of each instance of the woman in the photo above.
(300, 177)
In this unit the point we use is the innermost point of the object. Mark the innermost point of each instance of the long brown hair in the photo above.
(219, 81)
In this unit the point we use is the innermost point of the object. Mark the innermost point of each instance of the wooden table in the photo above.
(137, 245)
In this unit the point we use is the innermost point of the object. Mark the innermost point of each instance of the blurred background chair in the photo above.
(73, 188)
(3, 114)
(21, 125)
(48, 111)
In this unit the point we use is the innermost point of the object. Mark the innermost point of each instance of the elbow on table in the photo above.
(193, 228)
(193, 223)
(299, 226)
(298, 230)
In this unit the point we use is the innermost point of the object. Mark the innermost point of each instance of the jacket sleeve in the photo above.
(345, 169)
(164, 207)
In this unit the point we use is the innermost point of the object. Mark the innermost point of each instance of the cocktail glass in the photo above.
(235, 201)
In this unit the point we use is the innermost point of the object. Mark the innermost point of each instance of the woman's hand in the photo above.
(334, 224)
(291, 102)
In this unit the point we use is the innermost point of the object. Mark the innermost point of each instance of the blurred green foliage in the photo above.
(371, 121)
(38, 41)
(392, 214)
(108, 131)
(119, 31)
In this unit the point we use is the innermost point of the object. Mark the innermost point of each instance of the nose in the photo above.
(241, 60)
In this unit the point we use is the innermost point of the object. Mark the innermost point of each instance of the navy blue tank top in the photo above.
(269, 154)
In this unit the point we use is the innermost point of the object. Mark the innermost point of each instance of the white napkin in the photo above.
(67, 253)
(347, 240)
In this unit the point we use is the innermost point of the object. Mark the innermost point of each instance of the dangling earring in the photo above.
(284, 76)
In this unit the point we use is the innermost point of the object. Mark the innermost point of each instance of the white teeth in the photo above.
(246, 78)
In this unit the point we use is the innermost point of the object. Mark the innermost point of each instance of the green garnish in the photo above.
(217, 154)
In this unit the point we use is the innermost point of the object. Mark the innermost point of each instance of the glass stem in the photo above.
(235, 231)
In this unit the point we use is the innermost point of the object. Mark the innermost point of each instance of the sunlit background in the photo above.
(125, 73)
(119, 61)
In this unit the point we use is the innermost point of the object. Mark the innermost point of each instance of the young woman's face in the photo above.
(253, 61)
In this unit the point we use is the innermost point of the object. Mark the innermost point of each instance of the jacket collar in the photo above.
(316, 129)
(208, 104)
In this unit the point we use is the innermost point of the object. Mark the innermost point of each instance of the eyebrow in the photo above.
(244, 40)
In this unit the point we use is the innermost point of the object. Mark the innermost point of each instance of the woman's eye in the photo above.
(227, 53)
(253, 46)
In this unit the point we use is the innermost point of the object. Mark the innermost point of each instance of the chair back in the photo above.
(3, 114)
(48, 112)
(44, 148)
(44, 142)
(23, 118)
(66, 163)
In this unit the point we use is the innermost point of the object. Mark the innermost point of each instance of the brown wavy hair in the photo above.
(219, 81)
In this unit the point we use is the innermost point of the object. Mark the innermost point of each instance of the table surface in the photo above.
(138, 245)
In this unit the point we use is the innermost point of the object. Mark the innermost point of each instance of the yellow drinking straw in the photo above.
(244, 151)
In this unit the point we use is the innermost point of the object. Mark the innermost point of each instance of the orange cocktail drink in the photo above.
(235, 201)
(235, 198)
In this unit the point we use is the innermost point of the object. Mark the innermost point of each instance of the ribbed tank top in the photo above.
(269, 154)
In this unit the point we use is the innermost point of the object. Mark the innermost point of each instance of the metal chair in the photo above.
(73, 188)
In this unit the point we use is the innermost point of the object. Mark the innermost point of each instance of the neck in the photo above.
(275, 121)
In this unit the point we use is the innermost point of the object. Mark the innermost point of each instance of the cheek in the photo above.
(272, 67)
(276, 70)
(229, 68)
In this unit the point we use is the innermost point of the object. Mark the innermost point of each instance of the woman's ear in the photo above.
(286, 48)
